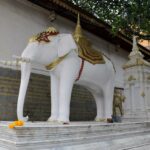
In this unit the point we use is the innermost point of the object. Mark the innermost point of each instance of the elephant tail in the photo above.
(110, 61)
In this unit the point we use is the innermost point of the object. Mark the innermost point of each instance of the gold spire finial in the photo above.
(78, 30)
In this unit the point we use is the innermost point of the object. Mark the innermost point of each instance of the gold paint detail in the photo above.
(78, 30)
(101, 120)
(138, 62)
(118, 99)
(143, 94)
(148, 78)
(55, 62)
(85, 49)
(135, 57)
(33, 38)
(142, 62)
(131, 78)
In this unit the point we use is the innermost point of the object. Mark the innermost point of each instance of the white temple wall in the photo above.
(20, 19)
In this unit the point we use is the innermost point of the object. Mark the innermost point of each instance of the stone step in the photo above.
(54, 136)
(140, 142)
(76, 141)
(50, 132)
(141, 147)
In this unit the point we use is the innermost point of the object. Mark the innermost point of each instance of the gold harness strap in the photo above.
(58, 60)
(55, 62)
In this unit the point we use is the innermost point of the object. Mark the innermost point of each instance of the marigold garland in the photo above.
(16, 123)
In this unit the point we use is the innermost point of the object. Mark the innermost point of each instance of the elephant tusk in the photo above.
(17, 62)
(22, 59)
(6, 63)
(10, 63)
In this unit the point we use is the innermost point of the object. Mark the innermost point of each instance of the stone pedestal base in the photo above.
(138, 115)
(75, 136)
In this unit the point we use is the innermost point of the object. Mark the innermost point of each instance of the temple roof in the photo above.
(90, 23)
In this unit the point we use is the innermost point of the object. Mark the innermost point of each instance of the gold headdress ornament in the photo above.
(43, 36)
(85, 49)
(51, 29)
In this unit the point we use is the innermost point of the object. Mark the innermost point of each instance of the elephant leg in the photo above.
(100, 106)
(64, 99)
(25, 75)
(54, 98)
(67, 78)
(108, 100)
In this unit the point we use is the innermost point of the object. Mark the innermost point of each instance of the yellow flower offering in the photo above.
(11, 126)
(16, 123)
(20, 123)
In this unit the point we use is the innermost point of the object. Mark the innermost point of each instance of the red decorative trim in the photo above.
(81, 69)
(43, 36)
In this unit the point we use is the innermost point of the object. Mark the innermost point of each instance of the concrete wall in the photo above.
(19, 20)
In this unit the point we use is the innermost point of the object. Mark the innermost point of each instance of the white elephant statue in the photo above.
(61, 52)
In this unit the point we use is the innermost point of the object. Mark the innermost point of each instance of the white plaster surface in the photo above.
(19, 20)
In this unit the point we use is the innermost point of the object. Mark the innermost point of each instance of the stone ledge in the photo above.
(44, 135)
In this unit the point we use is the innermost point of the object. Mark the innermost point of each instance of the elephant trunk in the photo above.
(20, 103)
(25, 75)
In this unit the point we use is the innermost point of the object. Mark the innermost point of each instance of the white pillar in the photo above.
(137, 86)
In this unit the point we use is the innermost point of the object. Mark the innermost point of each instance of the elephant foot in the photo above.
(25, 119)
(100, 119)
(63, 121)
(52, 119)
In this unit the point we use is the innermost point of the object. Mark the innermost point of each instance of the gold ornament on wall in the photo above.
(131, 78)
(143, 94)
(148, 78)
(118, 100)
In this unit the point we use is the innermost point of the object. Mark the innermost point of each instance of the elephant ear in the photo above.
(66, 44)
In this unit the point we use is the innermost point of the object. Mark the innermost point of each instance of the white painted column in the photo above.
(137, 83)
